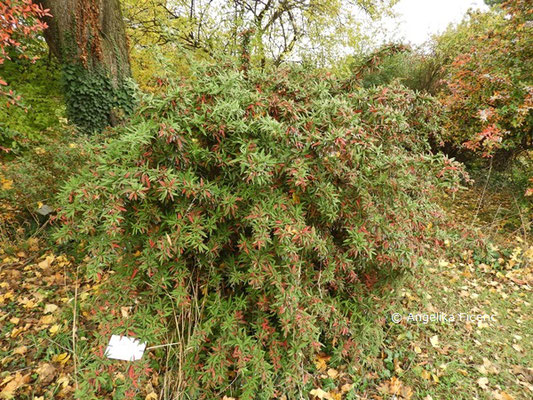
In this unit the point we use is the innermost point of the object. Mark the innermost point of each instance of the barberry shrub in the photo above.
(267, 203)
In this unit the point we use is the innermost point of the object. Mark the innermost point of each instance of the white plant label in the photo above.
(125, 348)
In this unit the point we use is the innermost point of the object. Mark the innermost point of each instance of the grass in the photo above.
(461, 359)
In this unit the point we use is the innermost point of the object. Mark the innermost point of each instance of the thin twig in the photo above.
(162, 345)
(495, 215)
(483, 193)
(524, 230)
(59, 345)
(74, 330)
(40, 228)
(22, 264)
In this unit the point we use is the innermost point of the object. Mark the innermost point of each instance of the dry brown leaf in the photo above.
(501, 396)
(46, 262)
(333, 373)
(483, 382)
(27, 303)
(125, 312)
(527, 373)
(8, 392)
(47, 373)
(395, 387)
(487, 367)
(50, 308)
(346, 387)
(320, 394)
(20, 350)
(33, 244)
(321, 362)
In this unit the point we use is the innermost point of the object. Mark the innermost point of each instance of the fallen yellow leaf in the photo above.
(16, 331)
(7, 184)
(63, 380)
(54, 329)
(61, 358)
(47, 319)
(335, 396)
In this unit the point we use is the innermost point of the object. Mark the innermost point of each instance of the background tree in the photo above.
(488, 85)
(276, 30)
(19, 23)
(89, 39)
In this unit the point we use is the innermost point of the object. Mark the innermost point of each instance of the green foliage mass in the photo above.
(264, 205)
(91, 97)
(415, 70)
(39, 84)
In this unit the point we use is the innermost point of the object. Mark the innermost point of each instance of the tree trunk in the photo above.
(89, 39)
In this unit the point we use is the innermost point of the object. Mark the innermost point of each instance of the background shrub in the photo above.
(488, 82)
(413, 68)
(39, 85)
(34, 177)
(259, 207)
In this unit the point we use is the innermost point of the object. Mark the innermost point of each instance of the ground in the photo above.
(414, 358)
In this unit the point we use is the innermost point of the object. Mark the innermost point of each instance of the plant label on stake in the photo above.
(125, 348)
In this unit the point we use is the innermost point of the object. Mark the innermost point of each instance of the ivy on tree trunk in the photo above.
(89, 39)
